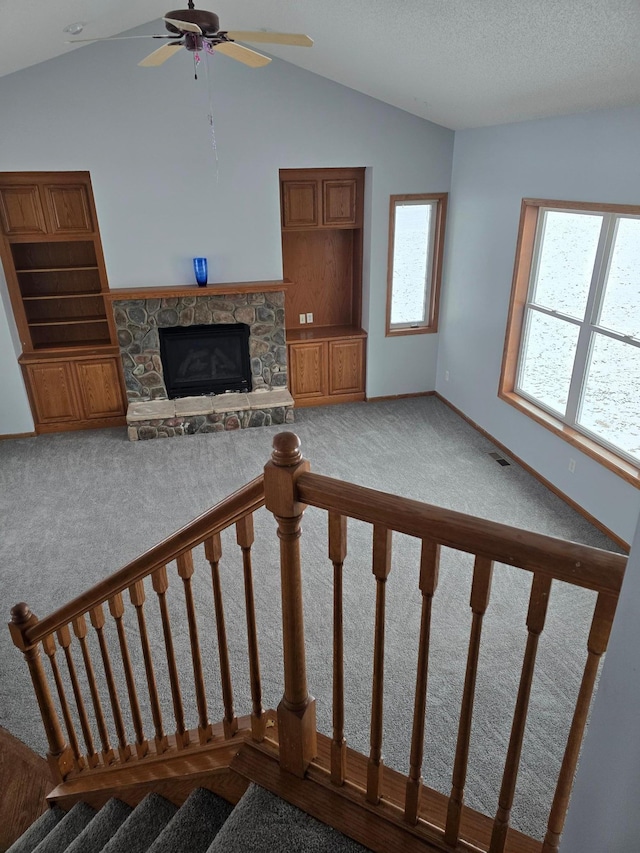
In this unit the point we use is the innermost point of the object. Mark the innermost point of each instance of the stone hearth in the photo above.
(191, 415)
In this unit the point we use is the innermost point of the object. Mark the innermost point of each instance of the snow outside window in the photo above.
(579, 352)
(416, 235)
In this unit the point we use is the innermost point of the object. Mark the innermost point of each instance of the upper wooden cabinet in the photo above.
(321, 198)
(340, 203)
(21, 210)
(68, 209)
(300, 204)
(44, 207)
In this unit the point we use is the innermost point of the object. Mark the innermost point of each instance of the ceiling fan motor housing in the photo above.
(208, 22)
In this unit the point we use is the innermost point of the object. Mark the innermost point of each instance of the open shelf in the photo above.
(40, 297)
(72, 254)
(67, 321)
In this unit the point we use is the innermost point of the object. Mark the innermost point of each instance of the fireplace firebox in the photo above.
(208, 359)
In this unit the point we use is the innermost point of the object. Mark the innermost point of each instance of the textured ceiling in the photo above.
(459, 63)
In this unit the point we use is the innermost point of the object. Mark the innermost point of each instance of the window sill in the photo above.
(411, 330)
(619, 466)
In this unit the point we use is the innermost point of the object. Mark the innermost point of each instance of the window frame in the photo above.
(526, 255)
(436, 248)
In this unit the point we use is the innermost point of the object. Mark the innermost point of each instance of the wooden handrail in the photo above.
(582, 565)
(247, 499)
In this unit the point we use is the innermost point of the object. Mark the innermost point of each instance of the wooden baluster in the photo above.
(429, 566)
(381, 569)
(297, 709)
(80, 630)
(597, 644)
(64, 639)
(60, 755)
(160, 584)
(213, 553)
(49, 646)
(244, 538)
(337, 554)
(538, 601)
(480, 591)
(116, 608)
(96, 616)
(138, 595)
(185, 570)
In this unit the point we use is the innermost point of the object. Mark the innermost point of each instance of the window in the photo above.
(572, 354)
(416, 240)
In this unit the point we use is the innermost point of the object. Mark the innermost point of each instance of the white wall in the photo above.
(589, 157)
(603, 813)
(161, 198)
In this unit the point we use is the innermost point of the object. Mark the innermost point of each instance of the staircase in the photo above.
(281, 750)
(205, 823)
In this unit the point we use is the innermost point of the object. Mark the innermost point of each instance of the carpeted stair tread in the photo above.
(66, 830)
(263, 823)
(195, 825)
(40, 828)
(103, 827)
(142, 827)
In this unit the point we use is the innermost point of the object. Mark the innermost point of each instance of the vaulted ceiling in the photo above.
(459, 63)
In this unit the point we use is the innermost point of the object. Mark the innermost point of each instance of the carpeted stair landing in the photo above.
(205, 823)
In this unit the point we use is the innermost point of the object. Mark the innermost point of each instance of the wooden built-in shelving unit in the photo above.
(52, 257)
(321, 220)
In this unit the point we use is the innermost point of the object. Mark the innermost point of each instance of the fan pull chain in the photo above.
(208, 57)
(196, 62)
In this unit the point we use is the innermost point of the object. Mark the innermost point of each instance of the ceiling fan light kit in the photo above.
(198, 29)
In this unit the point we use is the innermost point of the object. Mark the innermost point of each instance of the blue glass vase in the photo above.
(200, 269)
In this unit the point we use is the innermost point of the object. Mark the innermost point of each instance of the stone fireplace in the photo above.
(247, 366)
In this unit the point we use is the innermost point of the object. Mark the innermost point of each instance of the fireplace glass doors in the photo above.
(205, 359)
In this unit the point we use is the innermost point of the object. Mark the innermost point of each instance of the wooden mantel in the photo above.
(164, 292)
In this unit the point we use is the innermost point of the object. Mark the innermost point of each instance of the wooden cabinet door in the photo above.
(52, 392)
(21, 210)
(346, 363)
(339, 203)
(99, 387)
(68, 209)
(307, 369)
(300, 204)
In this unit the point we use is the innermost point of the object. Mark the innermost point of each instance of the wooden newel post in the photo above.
(60, 756)
(297, 710)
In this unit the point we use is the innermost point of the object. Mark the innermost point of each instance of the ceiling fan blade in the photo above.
(160, 55)
(185, 26)
(121, 38)
(242, 54)
(296, 39)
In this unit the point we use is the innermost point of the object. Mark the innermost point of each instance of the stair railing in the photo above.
(429, 820)
(289, 488)
(67, 628)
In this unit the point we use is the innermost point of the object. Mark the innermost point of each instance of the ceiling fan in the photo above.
(197, 30)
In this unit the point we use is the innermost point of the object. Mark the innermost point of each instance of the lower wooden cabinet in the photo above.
(74, 393)
(52, 393)
(308, 370)
(326, 371)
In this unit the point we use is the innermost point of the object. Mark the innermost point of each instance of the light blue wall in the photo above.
(15, 413)
(161, 198)
(603, 814)
(589, 157)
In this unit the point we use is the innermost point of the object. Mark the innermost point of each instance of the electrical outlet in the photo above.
(303, 318)
(572, 466)
(446, 376)
(309, 317)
